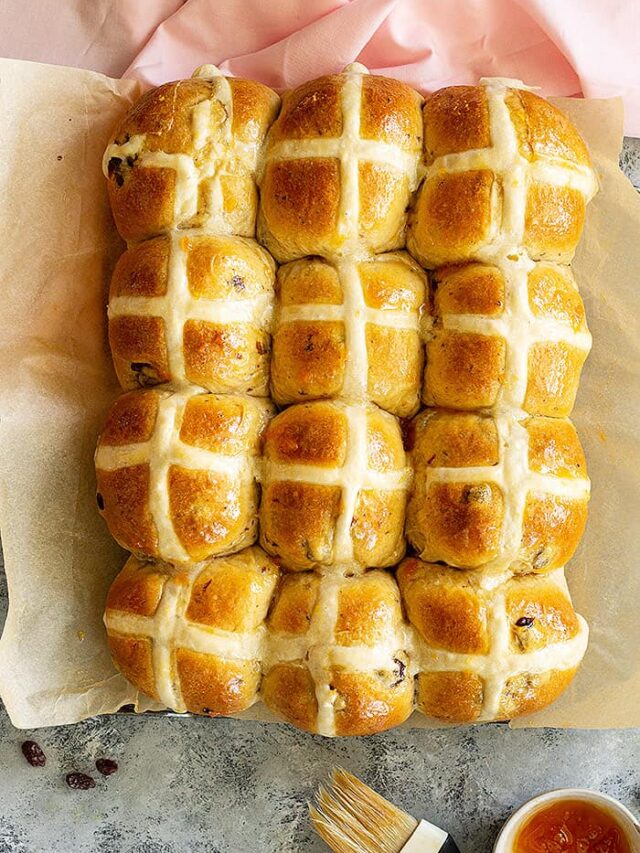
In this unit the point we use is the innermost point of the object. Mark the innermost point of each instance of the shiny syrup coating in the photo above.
(571, 826)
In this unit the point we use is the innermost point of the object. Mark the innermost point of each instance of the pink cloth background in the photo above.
(567, 47)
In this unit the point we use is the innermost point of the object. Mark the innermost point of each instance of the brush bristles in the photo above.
(352, 818)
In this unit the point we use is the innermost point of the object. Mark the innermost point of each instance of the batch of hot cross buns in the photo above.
(349, 340)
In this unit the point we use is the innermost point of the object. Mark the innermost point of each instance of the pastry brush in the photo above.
(352, 818)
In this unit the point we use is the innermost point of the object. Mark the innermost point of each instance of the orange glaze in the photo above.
(571, 826)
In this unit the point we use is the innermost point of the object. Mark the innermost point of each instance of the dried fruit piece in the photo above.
(80, 781)
(32, 751)
(400, 671)
(106, 766)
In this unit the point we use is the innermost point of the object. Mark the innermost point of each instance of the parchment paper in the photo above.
(56, 382)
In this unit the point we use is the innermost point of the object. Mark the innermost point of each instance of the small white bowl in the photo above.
(508, 833)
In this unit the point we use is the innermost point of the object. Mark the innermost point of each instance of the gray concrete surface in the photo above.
(224, 786)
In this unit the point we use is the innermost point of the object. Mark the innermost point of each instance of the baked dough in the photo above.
(201, 619)
(333, 654)
(337, 662)
(491, 344)
(176, 472)
(186, 156)
(342, 160)
(193, 308)
(192, 638)
(505, 168)
(510, 495)
(484, 652)
(349, 330)
(334, 487)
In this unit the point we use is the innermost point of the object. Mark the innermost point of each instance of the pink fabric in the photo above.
(102, 35)
(567, 47)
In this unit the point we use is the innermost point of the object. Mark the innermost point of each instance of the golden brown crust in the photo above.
(468, 289)
(553, 294)
(455, 119)
(293, 604)
(122, 497)
(377, 529)
(463, 207)
(444, 440)
(133, 657)
(233, 594)
(307, 282)
(208, 272)
(216, 687)
(227, 358)
(297, 522)
(164, 114)
(220, 267)
(539, 614)
(337, 684)
(301, 188)
(554, 447)
(139, 351)
(452, 216)
(462, 522)
(545, 131)
(130, 420)
(466, 367)
(458, 523)
(471, 668)
(444, 607)
(384, 200)
(309, 359)
(289, 690)
(464, 370)
(554, 219)
(137, 589)
(299, 516)
(226, 424)
(389, 112)
(385, 451)
(312, 355)
(554, 373)
(142, 270)
(211, 509)
(211, 514)
(319, 674)
(299, 199)
(454, 697)
(396, 389)
(368, 609)
(311, 110)
(143, 197)
(254, 109)
(529, 692)
(311, 434)
(392, 282)
(370, 702)
(552, 528)
(223, 597)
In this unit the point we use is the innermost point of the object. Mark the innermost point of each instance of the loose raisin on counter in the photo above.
(106, 766)
(80, 781)
(32, 751)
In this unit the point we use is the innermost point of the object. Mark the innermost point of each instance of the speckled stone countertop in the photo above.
(225, 786)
